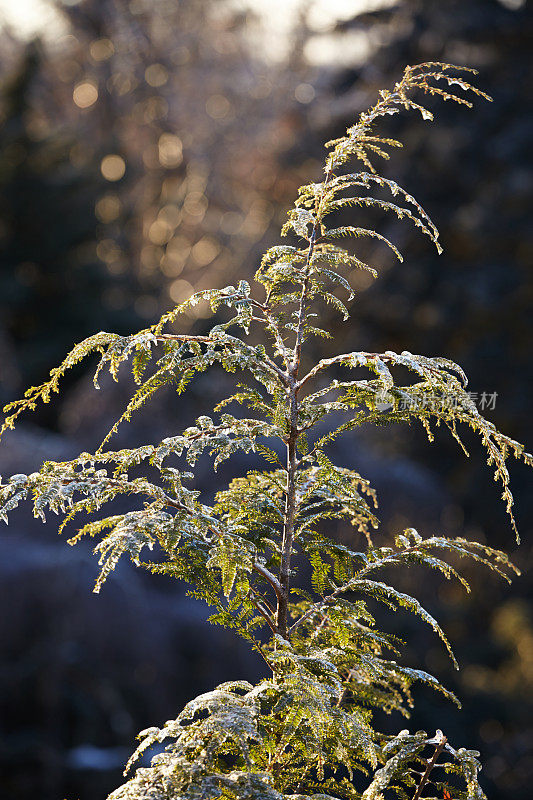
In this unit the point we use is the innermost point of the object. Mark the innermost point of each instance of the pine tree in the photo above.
(308, 729)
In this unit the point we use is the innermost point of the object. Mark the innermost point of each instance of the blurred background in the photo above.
(151, 148)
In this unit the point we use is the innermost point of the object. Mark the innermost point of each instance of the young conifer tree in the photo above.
(308, 729)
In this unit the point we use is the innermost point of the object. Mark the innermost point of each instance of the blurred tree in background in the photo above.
(149, 149)
(51, 281)
(158, 136)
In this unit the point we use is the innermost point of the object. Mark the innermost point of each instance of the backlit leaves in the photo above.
(306, 731)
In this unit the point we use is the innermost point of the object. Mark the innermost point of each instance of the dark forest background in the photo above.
(151, 149)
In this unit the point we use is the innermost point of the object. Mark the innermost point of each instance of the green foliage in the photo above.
(309, 729)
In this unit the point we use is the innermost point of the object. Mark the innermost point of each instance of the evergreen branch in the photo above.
(375, 588)
(308, 728)
(178, 337)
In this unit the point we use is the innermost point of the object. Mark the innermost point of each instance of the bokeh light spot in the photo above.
(180, 290)
(155, 108)
(113, 167)
(231, 222)
(160, 232)
(304, 93)
(101, 49)
(218, 106)
(513, 5)
(156, 75)
(171, 214)
(170, 150)
(108, 251)
(195, 204)
(85, 94)
(205, 251)
(107, 208)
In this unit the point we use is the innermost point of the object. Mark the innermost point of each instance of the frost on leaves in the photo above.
(307, 731)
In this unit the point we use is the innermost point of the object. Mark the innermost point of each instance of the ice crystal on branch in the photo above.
(306, 731)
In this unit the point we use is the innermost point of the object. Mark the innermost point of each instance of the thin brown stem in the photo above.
(429, 766)
(293, 432)
(290, 510)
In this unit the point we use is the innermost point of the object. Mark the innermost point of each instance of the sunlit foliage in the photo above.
(308, 729)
